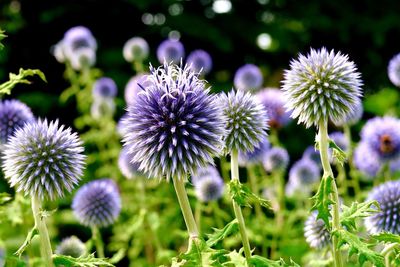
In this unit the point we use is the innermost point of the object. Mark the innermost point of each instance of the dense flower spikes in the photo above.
(13, 115)
(352, 117)
(132, 87)
(71, 246)
(247, 121)
(394, 70)
(136, 49)
(274, 101)
(104, 87)
(208, 184)
(97, 203)
(320, 86)
(248, 77)
(255, 156)
(387, 219)
(174, 126)
(315, 232)
(200, 61)
(383, 136)
(170, 51)
(43, 160)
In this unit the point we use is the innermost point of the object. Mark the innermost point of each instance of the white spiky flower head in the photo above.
(320, 86)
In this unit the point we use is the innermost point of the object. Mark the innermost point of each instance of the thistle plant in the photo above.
(302, 175)
(132, 88)
(276, 159)
(127, 168)
(274, 101)
(315, 232)
(248, 77)
(170, 51)
(200, 61)
(71, 246)
(135, 51)
(43, 160)
(366, 161)
(208, 184)
(319, 87)
(104, 87)
(255, 156)
(173, 127)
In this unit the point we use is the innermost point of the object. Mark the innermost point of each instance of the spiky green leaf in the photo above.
(357, 210)
(259, 261)
(322, 200)
(338, 153)
(387, 237)
(243, 196)
(15, 79)
(219, 234)
(27, 241)
(83, 261)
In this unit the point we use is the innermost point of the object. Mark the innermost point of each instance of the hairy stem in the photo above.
(98, 242)
(40, 223)
(387, 250)
(323, 148)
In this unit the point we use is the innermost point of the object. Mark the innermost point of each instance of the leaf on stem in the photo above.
(83, 261)
(387, 237)
(27, 241)
(322, 200)
(257, 260)
(219, 234)
(243, 196)
(338, 153)
(357, 210)
(15, 79)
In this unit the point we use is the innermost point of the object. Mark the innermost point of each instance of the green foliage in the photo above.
(357, 210)
(2, 36)
(243, 196)
(259, 261)
(219, 234)
(15, 79)
(322, 200)
(358, 247)
(32, 233)
(4, 198)
(382, 102)
(387, 237)
(83, 261)
(338, 153)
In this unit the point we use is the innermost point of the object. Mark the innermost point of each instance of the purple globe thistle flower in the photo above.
(127, 168)
(102, 107)
(394, 70)
(174, 126)
(200, 61)
(104, 87)
(387, 219)
(383, 136)
(135, 48)
(13, 115)
(132, 87)
(313, 154)
(304, 173)
(274, 101)
(247, 121)
(208, 184)
(43, 160)
(255, 156)
(366, 160)
(248, 77)
(315, 232)
(277, 158)
(352, 117)
(71, 246)
(77, 38)
(320, 86)
(97, 203)
(83, 58)
(170, 51)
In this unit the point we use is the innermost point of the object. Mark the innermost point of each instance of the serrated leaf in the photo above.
(338, 153)
(387, 237)
(243, 196)
(27, 241)
(358, 247)
(83, 261)
(259, 261)
(46, 213)
(357, 210)
(219, 234)
(322, 200)
(15, 79)
(236, 259)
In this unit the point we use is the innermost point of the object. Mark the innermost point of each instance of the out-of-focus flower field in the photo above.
(199, 133)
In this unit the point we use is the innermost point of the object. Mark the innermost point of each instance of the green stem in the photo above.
(197, 213)
(183, 200)
(273, 137)
(323, 148)
(98, 242)
(138, 66)
(40, 223)
(237, 210)
(341, 178)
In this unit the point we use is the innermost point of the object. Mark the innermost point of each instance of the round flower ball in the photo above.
(313, 154)
(248, 77)
(43, 160)
(315, 232)
(102, 107)
(276, 159)
(383, 136)
(77, 38)
(135, 49)
(255, 156)
(366, 161)
(104, 87)
(127, 168)
(170, 51)
(208, 184)
(121, 125)
(274, 101)
(200, 61)
(394, 70)
(97, 203)
(302, 175)
(320, 86)
(83, 58)
(174, 126)
(13, 115)
(71, 246)
(352, 117)
(387, 219)
(204, 172)
(246, 121)
(132, 88)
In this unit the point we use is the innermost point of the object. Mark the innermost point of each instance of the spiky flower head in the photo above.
(248, 77)
(170, 51)
(387, 219)
(121, 125)
(366, 161)
(77, 38)
(302, 175)
(83, 58)
(174, 126)
(104, 87)
(274, 101)
(135, 49)
(277, 158)
(102, 107)
(208, 184)
(97, 203)
(394, 70)
(321, 86)
(352, 117)
(315, 232)
(383, 136)
(43, 160)
(255, 156)
(127, 168)
(247, 121)
(200, 60)
(132, 88)
(71, 246)
(13, 115)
